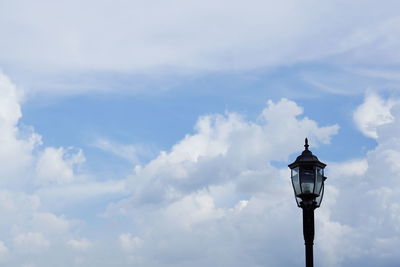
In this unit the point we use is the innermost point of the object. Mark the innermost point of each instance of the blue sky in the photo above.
(158, 134)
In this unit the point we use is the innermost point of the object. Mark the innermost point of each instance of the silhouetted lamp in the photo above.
(308, 185)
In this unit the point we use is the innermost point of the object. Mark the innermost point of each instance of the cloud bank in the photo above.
(217, 197)
(190, 36)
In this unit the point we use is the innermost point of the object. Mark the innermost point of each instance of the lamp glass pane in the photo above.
(319, 176)
(296, 181)
(298, 200)
(307, 180)
(318, 199)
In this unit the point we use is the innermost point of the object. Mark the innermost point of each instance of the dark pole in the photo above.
(308, 230)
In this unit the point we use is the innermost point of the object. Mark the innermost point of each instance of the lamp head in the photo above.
(308, 177)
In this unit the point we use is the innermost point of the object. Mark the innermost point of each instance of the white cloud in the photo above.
(215, 192)
(129, 243)
(229, 142)
(132, 153)
(357, 167)
(69, 195)
(192, 209)
(10, 111)
(31, 242)
(26, 164)
(11, 202)
(3, 249)
(203, 199)
(30, 232)
(50, 222)
(80, 244)
(361, 206)
(16, 145)
(192, 36)
(333, 240)
(374, 112)
(214, 199)
(55, 165)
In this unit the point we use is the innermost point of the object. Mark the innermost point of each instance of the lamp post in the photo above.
(307, 174)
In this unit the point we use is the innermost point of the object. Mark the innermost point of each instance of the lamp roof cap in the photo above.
(307, 158)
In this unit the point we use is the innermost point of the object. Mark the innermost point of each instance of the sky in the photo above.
(158, 133)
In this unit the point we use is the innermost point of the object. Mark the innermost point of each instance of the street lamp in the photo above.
(308, 185)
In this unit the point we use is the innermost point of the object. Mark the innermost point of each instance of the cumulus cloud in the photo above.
(16, 152)
(27, 164)
(10, 111)
(55, 165)
(210, 196)
(30, 231)
(367, 229)
(224, 147)
(374, 112)
(216, 193)
(355, 168)
(215, 198)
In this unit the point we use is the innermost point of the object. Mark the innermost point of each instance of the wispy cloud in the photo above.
(135, 154)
